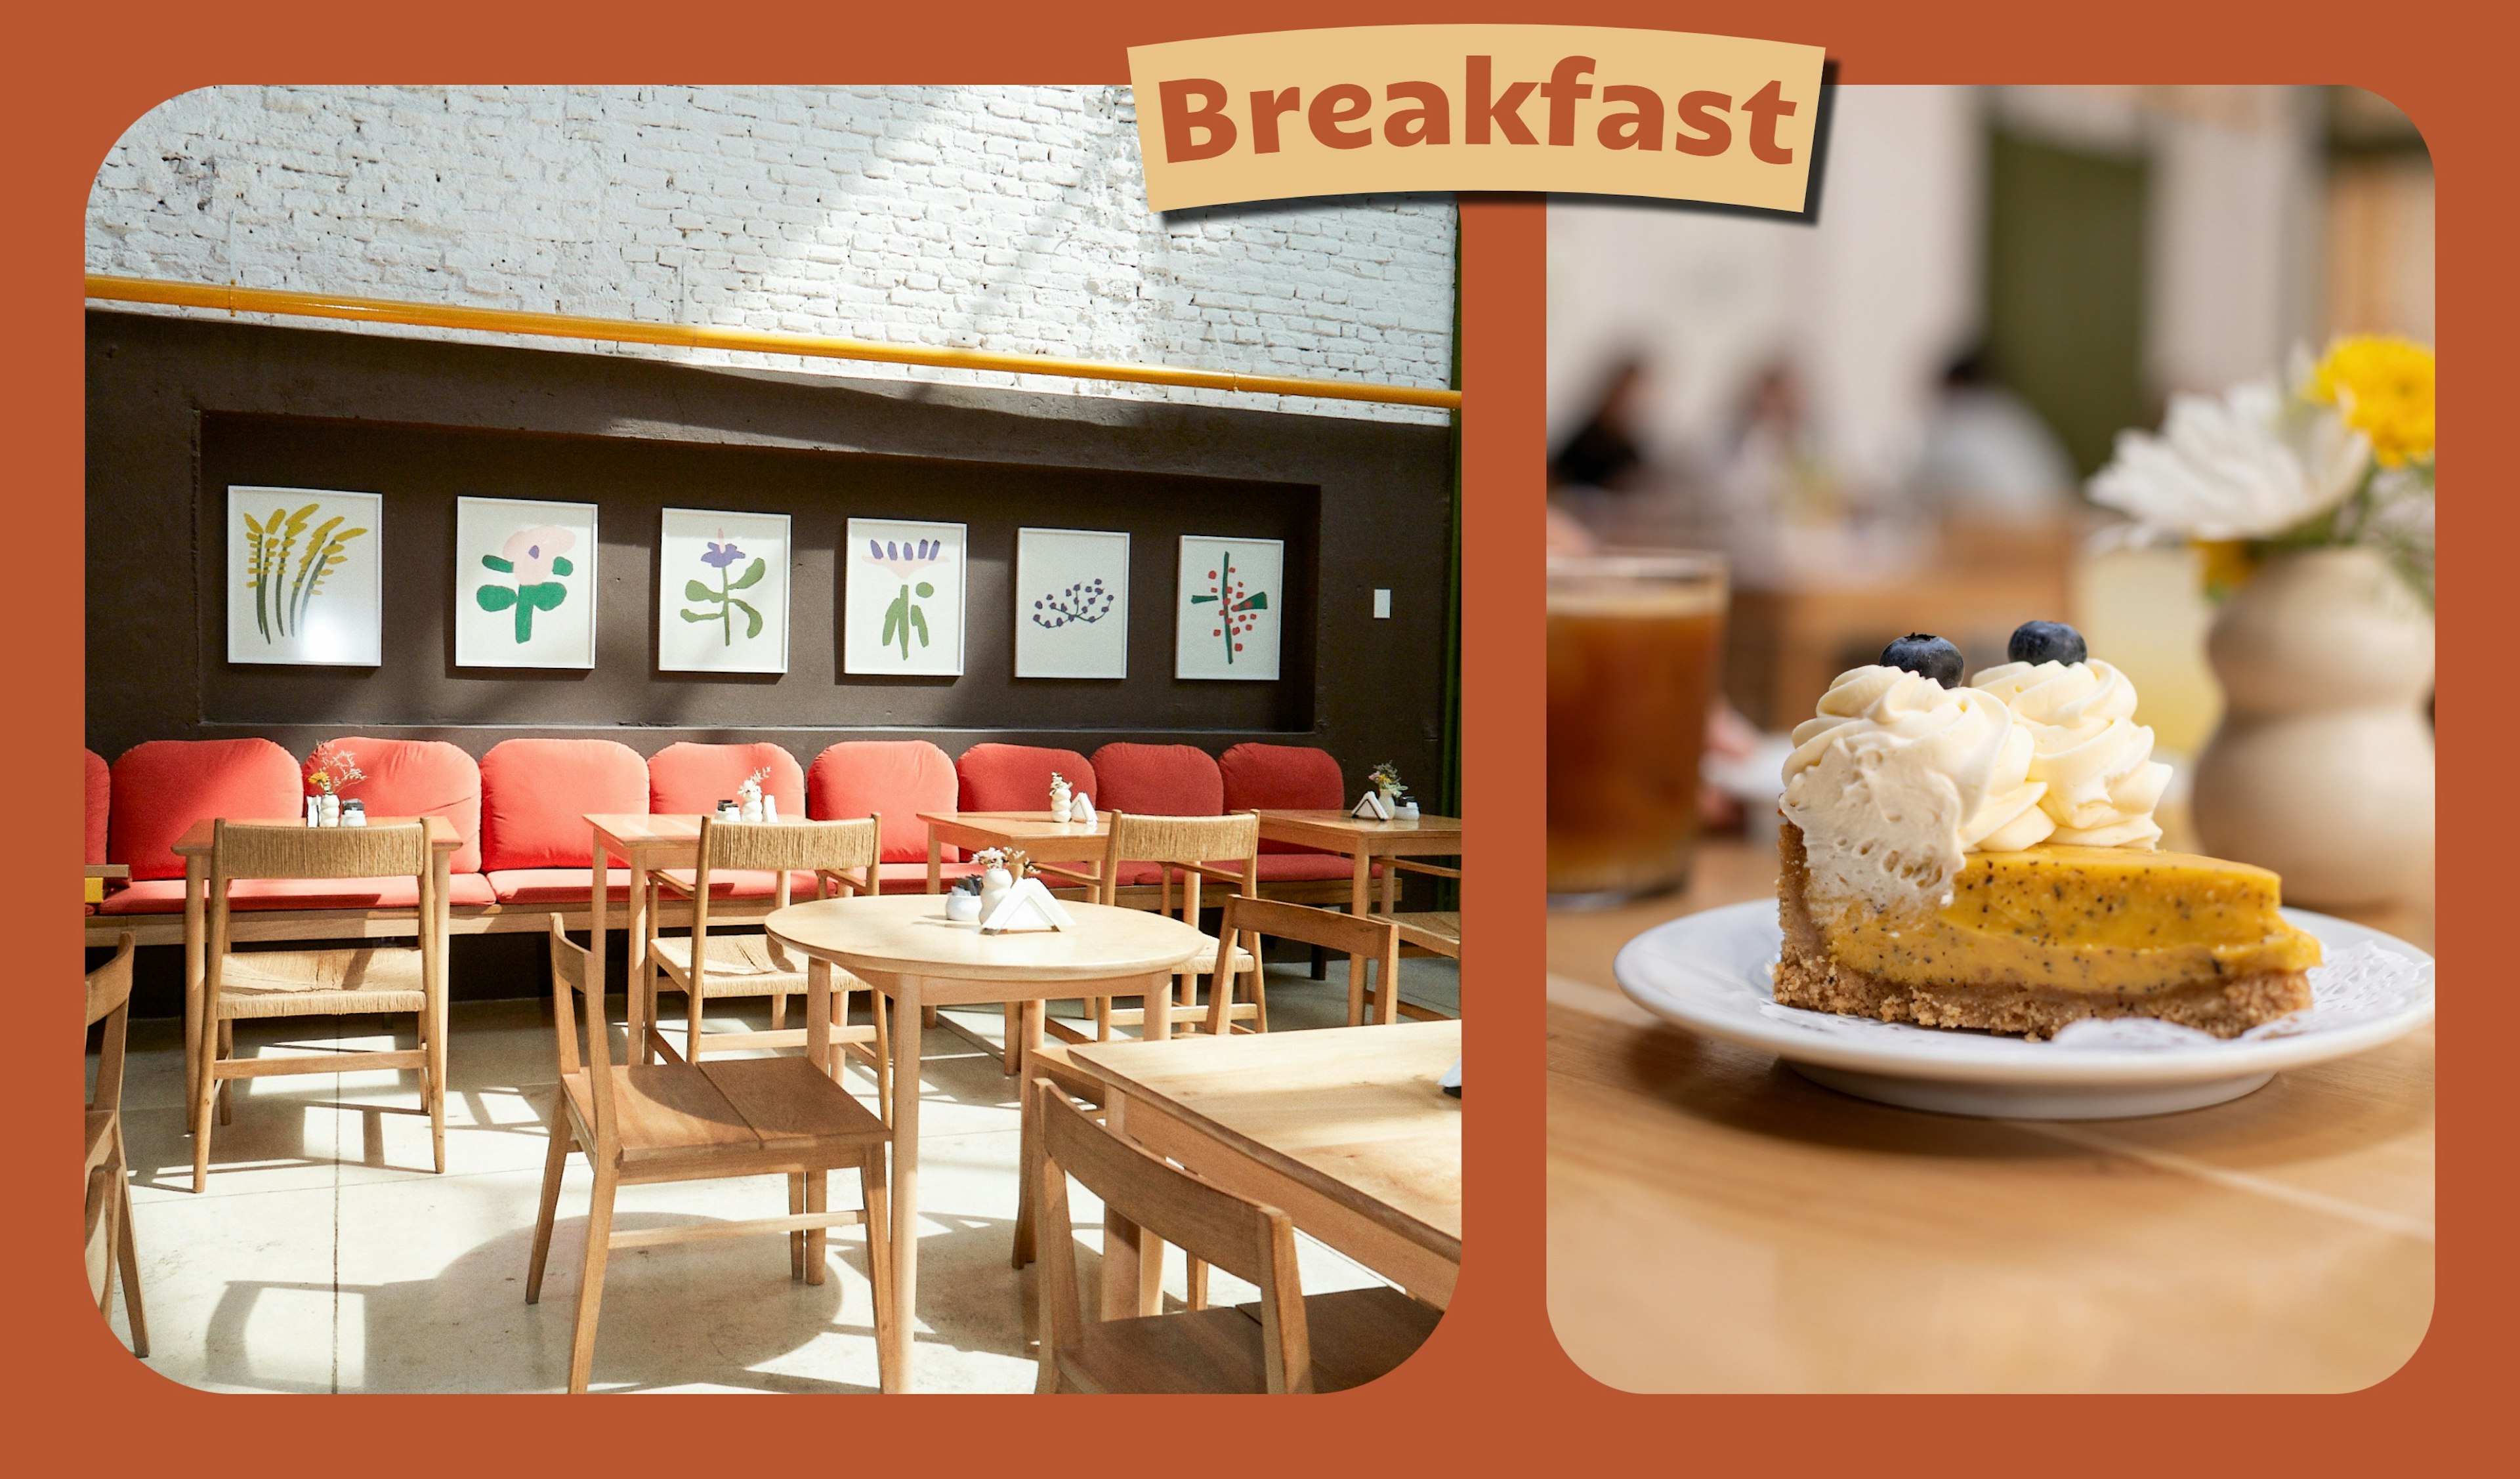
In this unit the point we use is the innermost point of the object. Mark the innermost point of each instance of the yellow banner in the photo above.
(1528, 108)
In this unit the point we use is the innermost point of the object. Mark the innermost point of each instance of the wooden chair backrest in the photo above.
(568, 962)
(108, 1001)
(1186, 841)
(1244, 1239)
(246, 850)
(843, 855)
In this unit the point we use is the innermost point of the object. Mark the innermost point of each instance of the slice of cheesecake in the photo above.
(2027, 941)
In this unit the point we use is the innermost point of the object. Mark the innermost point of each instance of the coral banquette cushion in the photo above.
(535, 795)
(683, 779)
(420, 778)
(99, 803)
(1159, 780)
(161, 786)
(1293, 777)
(1016, 777)
(897, 779)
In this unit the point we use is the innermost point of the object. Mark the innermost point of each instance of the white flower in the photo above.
(2250, 465)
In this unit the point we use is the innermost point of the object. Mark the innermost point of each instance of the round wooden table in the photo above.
(905, 948)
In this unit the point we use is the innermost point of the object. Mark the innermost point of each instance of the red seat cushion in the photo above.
(896, 779)
(1159, 780)
(99, 803)
(683, 779)
(162, 786)
(166, 895)
(1289, 777)
(1307, 865)
(535, 795)
(525, 887)
(420, 778)
(912, 877)
(1017, 778)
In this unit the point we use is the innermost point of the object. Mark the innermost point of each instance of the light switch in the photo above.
(1381, 606)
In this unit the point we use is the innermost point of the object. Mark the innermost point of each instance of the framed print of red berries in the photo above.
(1239, 608)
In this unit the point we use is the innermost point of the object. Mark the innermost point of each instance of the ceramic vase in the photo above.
(1062, 801)
(332, 810)
(994, 885)
(2322, 768)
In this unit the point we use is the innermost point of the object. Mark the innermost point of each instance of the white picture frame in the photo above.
(1072, 604)
(510, 617)
(1245, 580)
(887, 627)
(723, 581)
(313, 592)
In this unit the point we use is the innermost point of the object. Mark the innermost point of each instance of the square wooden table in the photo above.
(193, 847)
(1364, 840)
(1344, 1129)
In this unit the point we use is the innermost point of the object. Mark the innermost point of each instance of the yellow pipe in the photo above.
(124, 289)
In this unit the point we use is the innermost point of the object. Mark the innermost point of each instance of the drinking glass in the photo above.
(1634, 641)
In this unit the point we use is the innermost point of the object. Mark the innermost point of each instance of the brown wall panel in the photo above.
(179, 409)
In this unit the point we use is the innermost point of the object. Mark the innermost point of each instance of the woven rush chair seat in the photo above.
(288, 983)
(740, 966)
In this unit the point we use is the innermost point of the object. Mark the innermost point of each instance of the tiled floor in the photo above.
(326, 1257)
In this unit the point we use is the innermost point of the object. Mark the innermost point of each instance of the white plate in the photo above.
(1710, 972)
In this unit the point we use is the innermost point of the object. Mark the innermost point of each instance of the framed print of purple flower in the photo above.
(722, 557)
(905, 558)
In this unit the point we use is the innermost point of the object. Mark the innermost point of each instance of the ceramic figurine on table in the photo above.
(1062, 797)
(749, 798)
(995, 879)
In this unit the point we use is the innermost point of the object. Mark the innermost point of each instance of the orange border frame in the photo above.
(1492, 1386)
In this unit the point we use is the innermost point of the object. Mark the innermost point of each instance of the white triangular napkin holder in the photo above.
(1028, 905)
(1081, 810)
(1372, 807)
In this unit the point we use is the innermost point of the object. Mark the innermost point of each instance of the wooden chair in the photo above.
(367, 979)
(1189, 845)
(108, 1166)
(1370, 939)
(681, 1121)
(1284, 1342)
(707, 964)
(1373, 940)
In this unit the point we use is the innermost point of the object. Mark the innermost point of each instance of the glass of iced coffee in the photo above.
(1635, 640)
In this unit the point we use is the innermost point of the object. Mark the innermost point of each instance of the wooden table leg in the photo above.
(1124, 1242)
(1159, 1017)
(1390, 889)
(935, 861)
(196, 953)
(1360, 894)
(639, 974)
(906, 1028)
(598, 900)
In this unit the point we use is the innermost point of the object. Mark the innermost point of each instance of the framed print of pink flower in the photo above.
(905, 558)
(1237, 609)
(538, 559)
(721, 557)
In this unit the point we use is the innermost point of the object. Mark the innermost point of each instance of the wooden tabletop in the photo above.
(1339, 832)
(1717, 1223)
(1020, 826)
(908, 934)
(195, 840)
(645, 829)
(1354, 1113)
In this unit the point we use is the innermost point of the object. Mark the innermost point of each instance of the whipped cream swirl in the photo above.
(2095, 761)
(1898, 778)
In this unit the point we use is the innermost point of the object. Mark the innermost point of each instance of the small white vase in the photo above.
(2322, 768)
(994, 885)
(332, 810)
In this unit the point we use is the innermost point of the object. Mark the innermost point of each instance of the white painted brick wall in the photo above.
(1006, 218)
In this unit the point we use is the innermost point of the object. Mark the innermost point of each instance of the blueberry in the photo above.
(1926, 656)
(2046, 642)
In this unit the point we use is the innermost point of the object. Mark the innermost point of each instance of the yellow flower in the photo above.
(2384, 386)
